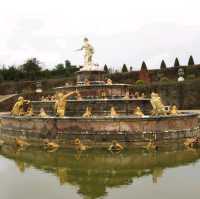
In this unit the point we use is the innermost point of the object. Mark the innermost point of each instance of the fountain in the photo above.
(97, 111)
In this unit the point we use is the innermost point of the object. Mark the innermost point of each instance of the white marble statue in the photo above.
(88, 53)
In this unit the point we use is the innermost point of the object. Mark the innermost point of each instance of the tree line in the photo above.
(32, 70)
(163, 65)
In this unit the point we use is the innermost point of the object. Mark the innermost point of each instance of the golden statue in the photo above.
(51, 146)
(126, 97)
(113, 112)
(109, 82)
(115, 146)
(61, 102)
(88, 112)
(43, 113)
(87, 82)
(79, 97)
(103, 95)
(173, 110)
(138, 112)
(79, 145)
(29, 111)
(158, 107)
(20, 142)
(18, 108)
(142, 96)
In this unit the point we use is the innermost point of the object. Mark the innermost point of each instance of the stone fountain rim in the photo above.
(103, 118)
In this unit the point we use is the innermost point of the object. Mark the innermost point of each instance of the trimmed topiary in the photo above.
(164, 79)
(140, 82)
(191, 61)
(163, 65)
(176, 63)
(191, 76)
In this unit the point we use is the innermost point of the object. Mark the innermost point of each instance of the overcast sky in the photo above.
(121, 31)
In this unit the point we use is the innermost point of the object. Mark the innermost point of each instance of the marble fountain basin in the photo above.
(100, 130)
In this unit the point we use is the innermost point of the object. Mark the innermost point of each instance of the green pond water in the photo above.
(37, 174)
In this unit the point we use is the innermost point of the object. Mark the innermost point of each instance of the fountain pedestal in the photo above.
(93, 76)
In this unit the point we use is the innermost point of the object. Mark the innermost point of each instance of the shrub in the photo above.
(140, 82)
(191, 76)
(176, 63)
(191, 61)
(163, 65)
(164, 79)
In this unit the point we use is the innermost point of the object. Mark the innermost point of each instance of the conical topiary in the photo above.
(124, 68)
(176, 63)
(106, 69)
(163, 65)
(144, 66)
(191, 61)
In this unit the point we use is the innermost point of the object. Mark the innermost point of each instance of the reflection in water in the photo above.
(96, 171)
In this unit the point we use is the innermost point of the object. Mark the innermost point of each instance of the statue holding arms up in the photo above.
(61, 102)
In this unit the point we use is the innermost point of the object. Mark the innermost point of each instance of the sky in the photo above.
(121, 31)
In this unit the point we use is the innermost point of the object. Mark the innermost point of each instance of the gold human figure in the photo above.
(138, 111)
(126, 97)
(42, 113)
(61, 102)
(173, 110)
(109, 82)
(18, 108)
(88, 112)
(113, 112)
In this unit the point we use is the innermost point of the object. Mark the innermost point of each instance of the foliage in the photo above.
(176, 63)
(191, 61)
(106, 69)
(124, 68)
(32, 70)
(140, 82)
(163, 65)
(164, 79)
(191, 76)
(144, 66)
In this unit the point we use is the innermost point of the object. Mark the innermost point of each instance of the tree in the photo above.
(124, 69)
(144, 66)
(176, 63)
(144, 74)
(106, 69)
(69, 68)
(31, 69)
(191, 61)
(163, 65)
(67, 64)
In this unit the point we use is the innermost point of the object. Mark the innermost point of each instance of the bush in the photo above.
(164, 79)
(140, 82)
(191, 76)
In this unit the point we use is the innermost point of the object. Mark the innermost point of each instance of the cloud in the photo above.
(127, 31)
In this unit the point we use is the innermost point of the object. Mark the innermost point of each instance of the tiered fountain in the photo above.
(99, 112)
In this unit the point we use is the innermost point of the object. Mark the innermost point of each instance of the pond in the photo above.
(38, 174)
